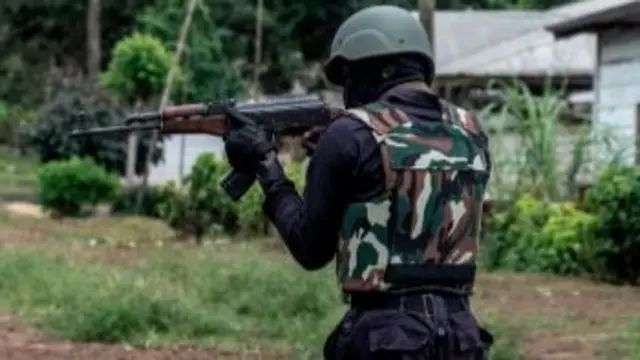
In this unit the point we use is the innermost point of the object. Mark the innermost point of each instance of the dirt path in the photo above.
(581, 318)
(24, 208)
(20, 342)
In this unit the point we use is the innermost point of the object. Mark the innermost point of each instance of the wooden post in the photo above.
(132, 154)
(93, 38)
(257, 55)
(183, 143)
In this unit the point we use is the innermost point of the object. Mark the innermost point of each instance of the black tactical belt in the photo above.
(431, 276)
(416, 302)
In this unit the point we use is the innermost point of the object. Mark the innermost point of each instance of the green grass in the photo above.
(627, 340)
(17, 176)
(235, 295)
(237, 298)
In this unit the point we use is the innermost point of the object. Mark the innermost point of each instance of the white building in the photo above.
(617, 70)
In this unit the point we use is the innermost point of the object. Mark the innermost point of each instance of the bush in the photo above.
(201, 206)
(68, 185)
(49, 135)
(533, 235)
(251, 219)
(615, 199)
(200, 203)
(126, 201)
(138, 68)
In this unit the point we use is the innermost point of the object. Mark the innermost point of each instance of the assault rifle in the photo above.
(289, 115)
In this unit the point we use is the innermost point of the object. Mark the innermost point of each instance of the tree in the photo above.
(78, 103)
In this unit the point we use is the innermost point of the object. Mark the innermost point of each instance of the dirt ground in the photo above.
(581, 315)
(19, 342)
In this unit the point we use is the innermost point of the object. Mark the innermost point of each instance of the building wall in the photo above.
(194, 146)
(617, 83)
(505, 146)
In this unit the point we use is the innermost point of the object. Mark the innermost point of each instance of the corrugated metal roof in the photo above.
(582, 8)
(535, 53)
(505, 43)
(573, 17)
(460, 33)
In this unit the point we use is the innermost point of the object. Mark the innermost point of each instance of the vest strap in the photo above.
(457, 278)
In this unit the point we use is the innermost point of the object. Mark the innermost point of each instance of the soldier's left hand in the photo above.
(245, 143)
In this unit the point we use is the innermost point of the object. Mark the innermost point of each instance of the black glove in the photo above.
(245, 143)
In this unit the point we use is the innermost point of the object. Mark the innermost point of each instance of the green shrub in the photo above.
(201, 206)
(507, 227)
(49, 137)
(568, 244)
(196, 207)
(66, 186)
(615, 199)
(138, 68)
(542, 237)
(126, 201)
(251, 219)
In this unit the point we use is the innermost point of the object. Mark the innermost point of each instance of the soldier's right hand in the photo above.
(311, 137)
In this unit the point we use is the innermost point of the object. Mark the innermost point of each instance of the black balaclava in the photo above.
(368, 79)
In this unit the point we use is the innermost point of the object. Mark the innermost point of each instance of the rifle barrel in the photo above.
(113, 129)
(143, 117)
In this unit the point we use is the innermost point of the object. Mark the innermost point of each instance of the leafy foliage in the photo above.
(12, 119)
(49, 135)
(209, 68)
(615, 199)
(138, 68)
(126, 201)
(66, 186)
(531, 235)
(200, 203)
(251, 219)
(535, 164)
(200, 206)
(38, 35)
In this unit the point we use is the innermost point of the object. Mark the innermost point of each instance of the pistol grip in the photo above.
(236, 184)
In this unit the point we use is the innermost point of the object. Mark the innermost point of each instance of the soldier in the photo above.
(394, 191)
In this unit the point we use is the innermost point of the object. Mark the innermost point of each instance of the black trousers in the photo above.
(408, 327)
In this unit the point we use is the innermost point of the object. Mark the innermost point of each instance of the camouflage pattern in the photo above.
(436, 175)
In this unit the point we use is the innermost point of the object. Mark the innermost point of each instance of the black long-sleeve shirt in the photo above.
(345, 167)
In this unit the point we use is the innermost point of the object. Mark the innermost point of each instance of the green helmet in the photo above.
(377, 31)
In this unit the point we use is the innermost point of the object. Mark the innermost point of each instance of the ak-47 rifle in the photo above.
(283, 115)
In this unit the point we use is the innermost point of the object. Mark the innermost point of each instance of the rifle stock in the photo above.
(283, 115)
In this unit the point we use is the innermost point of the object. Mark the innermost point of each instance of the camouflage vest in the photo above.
(423, 233)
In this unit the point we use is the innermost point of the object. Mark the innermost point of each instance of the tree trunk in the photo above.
(93, 39)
